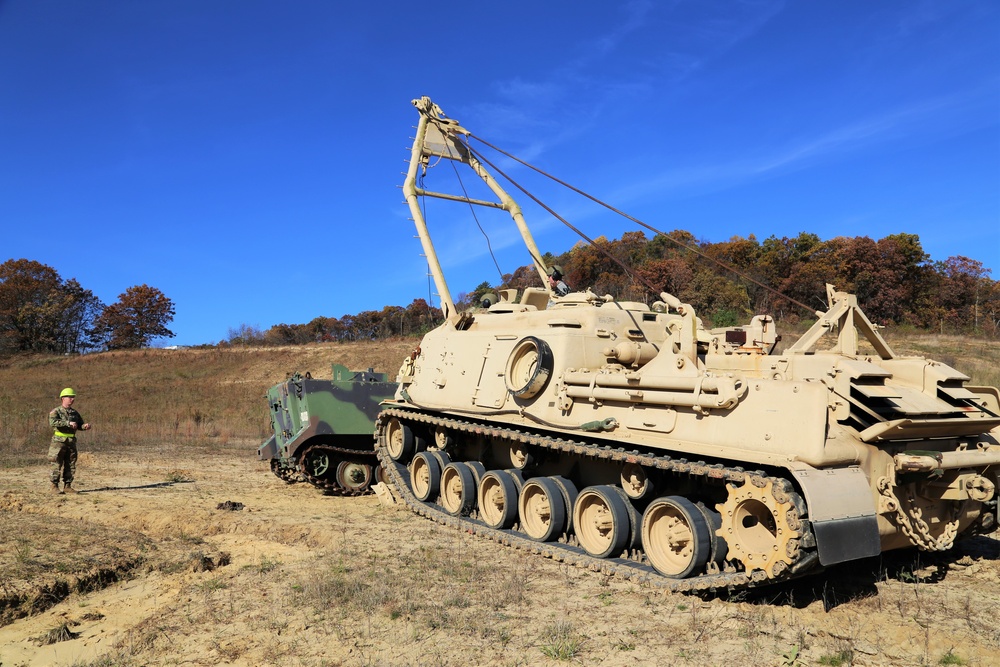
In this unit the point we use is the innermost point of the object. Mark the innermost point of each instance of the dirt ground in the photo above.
(143, 567)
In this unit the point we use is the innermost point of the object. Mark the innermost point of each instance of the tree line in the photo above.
(895, 281)
(41, 312)
(414, 320)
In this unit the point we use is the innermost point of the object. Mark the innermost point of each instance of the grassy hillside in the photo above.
(213, 397)
(166, 398)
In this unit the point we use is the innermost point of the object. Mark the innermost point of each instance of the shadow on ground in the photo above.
(858, 579)
(158, 485)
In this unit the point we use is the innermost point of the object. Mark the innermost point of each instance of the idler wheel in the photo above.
(528, 367)
(542, 508)
(354, 477)
(676, 537)
(398, 440)
(458, 489)
(606, 523)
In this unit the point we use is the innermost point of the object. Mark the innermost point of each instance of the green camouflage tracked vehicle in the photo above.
(323, 429)
(627, 438)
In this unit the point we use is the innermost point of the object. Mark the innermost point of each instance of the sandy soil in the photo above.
(298, 578)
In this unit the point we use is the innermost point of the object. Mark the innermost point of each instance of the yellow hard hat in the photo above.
(68, 391)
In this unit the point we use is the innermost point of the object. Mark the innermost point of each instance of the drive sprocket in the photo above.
(762, 526)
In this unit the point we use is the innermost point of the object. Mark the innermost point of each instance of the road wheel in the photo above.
(542, 509)
(604, 521)
(498, 492)
(354, 477)
(458, 489)
(425, 476)
(676, 537)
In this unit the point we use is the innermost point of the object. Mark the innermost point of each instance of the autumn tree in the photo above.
(41, 313)
(287, 334)
(672, 245)
(27, 292)
(963, 284)
(245, 334)
(712, 294)
(726, 282)
(590, 266)
(471, 299)
(741, 259)
(77, 331)
(524, 276)
(141, 314)
(421, 316)
(666, 275)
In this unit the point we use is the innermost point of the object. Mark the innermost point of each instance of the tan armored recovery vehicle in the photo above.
(629, 439)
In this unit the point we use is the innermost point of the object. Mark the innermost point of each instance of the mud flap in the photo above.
(841, 511)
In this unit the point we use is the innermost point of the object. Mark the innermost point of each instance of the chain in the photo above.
(917, 530)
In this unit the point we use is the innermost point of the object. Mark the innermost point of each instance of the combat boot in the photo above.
(69, 489)
(55, 488)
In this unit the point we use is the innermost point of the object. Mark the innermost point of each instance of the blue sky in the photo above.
(245, 156)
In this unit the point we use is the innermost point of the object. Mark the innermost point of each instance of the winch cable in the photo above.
(686, 246)
(628, 271)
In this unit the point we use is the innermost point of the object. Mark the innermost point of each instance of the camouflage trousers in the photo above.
(63, 458)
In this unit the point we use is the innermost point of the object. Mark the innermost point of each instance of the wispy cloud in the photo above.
(929, 119)
(582, 97)
(604, 73)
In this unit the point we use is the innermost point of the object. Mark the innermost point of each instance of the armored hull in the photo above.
(323, 429)
(628, 438)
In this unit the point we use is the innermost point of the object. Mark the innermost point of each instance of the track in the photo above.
(336, 456)
(635, 568)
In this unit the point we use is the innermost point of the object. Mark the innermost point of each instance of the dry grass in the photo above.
(363, 585)
(143, 398)
(336, 581)
(212, 397)
(976, 357)
(43, 561)
(275, 613)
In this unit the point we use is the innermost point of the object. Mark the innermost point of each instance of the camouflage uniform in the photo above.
(62, 451)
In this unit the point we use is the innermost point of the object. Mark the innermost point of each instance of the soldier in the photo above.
(556, 282)
(62, 452)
